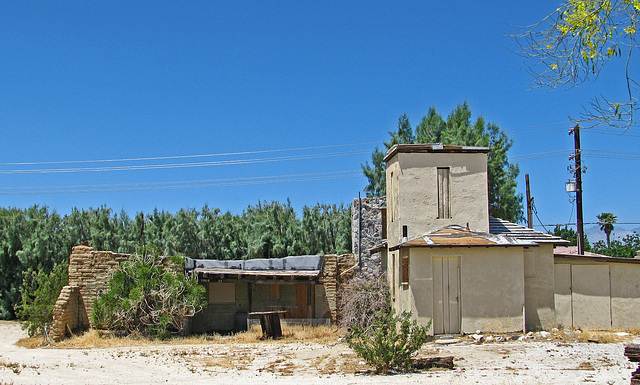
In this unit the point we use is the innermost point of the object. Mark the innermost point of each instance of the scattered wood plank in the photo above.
(433, 362)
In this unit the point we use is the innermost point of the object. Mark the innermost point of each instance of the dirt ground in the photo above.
(528, 361)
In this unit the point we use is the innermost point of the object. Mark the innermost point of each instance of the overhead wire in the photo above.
(535, 211)
(183, 156)
(594, 153)
(180, 165)
(154, 186)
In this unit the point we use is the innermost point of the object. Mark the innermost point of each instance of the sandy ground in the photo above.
(513, 362)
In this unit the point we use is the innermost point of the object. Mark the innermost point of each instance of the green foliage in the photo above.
(570, 235)
(39, 295)
(606, 221)
(389, 342)
(625, 248)
(32, 238)
(326, 229)
(459, 129)
(148, 296)
(38, 239)
(404, 133)
(375, 173)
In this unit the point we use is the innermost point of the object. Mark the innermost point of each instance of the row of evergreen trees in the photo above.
(36, 239)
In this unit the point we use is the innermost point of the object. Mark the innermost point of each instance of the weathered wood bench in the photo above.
(270, 323)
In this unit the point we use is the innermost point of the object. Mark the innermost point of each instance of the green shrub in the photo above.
(389, 342)
(149, 295)
(40, 291)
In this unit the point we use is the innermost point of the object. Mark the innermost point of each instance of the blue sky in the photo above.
(286, 88)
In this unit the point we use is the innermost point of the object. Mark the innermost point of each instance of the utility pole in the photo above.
(577, 172)
(529, 203)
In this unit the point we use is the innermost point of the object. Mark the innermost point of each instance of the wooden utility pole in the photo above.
(529, 203)
(577, 172)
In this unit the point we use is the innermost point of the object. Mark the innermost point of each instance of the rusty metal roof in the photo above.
(504, 227)
(458, 236)
(432, 147)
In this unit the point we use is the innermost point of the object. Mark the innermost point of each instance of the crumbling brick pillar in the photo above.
(89, 274)
(69, 313)
(336, 270)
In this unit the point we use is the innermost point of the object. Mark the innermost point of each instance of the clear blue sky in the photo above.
(86, 81)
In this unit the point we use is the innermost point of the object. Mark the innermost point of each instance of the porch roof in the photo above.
(294, 267)
(458, 236)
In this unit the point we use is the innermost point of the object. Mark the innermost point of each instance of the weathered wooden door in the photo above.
(446, 295)
(304, 301)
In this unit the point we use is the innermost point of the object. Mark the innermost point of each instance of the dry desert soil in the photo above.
(529, 361)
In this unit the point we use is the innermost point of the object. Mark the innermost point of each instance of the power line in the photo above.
(534, 133)
(155, 186)
(181, 165)
(184, 156)
(591, 153)
(536, 125)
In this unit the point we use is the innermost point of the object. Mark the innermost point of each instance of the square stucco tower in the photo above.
(430, 186)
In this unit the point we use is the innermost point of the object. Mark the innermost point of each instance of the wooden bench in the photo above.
(270, 323)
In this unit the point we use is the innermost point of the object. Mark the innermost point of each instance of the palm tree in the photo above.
(606, 221)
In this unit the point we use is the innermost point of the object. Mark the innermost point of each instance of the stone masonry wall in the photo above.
(371, 231)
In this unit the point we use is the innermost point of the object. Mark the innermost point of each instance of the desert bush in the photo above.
(361, 298)
(149, 296)
(40, 291)
(389, 342)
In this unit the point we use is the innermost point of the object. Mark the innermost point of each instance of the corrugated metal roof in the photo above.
(503, 227)
(458, 236)
(300, 266)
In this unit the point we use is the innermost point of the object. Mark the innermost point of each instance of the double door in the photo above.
(446, 295)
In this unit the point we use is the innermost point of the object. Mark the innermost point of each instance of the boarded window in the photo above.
(405, 269)
(392, 209)
(383, 212)
(274, 291)
(394, 193)
(529, 264)
(394, 275)
(444, 202)
(222, 292)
